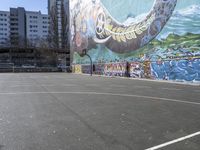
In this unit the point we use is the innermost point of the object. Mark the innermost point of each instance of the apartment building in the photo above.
(60, 8)
(21, 28)
(37, 27)
(17, 27)
(4, 28)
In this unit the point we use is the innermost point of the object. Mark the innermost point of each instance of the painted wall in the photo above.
(159, 42)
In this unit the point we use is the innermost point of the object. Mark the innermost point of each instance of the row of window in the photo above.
(3, 19)
(3, 38)
(33, 35)
(14, 24)
(14, 29)
(3, 29)
(45, 22)
(4, 34)
(33, 31)
(3, 15)
(33, 26)
(45, 17)
(34, 17)
(13, 19)
(3, 24)
(44, 31)
(35, 21)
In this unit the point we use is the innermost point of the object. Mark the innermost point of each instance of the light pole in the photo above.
(91, 64)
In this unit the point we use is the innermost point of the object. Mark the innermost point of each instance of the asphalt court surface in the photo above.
(58, 111)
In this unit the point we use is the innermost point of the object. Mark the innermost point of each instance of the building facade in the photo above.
(59, 29)
(17, 27)
(4, 28)
(21, 28)
(156, 39)
(59, 20)
(37, 27)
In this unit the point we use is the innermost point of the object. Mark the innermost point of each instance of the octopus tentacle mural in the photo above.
(91, 24)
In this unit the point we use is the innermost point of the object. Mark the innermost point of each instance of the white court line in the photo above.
(174, 141)
(108, 94)
(140, 86)
(46, 85)
(171, 89)
(116, 86)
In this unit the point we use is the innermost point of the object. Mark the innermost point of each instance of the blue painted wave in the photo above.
(182, 70)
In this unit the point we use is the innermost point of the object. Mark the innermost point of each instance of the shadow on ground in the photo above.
(1, 147)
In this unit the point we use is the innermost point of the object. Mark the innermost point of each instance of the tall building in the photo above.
(59, 19)
(37, 27)
(21, 28)
(17, 27)
(59, 29)
(4, 28)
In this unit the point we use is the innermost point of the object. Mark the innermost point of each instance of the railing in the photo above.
(7, 67)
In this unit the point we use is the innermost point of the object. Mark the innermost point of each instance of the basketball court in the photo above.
(58, 111)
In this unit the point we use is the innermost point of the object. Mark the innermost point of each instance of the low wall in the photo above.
(187, 70)
(37, 69)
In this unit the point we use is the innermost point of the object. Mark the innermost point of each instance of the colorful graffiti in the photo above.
(179, 70)
(77, 69)
(92, 22)
(115, 69)
(182, 70)
(159, 42)
(136, 70)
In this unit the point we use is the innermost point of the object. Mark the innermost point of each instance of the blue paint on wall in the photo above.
(182, 70)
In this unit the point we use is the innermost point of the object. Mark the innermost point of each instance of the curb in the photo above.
(142, 79)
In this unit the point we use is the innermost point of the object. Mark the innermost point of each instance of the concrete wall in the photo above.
(164, 45)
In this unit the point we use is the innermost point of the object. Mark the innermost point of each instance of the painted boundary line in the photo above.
(108, 94)
(142, 79)
(174, 141)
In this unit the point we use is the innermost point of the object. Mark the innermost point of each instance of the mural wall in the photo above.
(157, 39)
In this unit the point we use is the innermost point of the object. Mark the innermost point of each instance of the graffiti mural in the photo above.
(77, 69)
(115, 69)
(92, 23)
(99, 69)
(136, 70)
(182, 70)
(155, 33)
